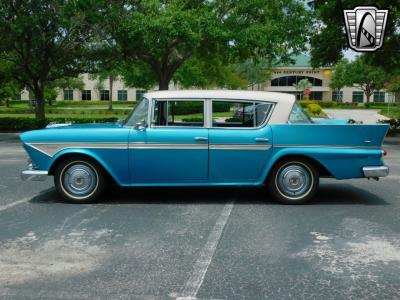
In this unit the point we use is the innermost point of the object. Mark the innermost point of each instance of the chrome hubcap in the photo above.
(79, 180)
(294, 180)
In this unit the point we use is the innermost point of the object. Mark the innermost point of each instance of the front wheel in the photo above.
(79, 180)
(293, 181)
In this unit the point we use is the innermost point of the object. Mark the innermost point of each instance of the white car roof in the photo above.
(280, 115)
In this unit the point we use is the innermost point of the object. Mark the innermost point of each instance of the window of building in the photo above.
(337, 96)
(122, 95)
(239, 114)
(358, 97)
(104, 95)
(290, 80)
(139, 94)
(316, 95)
(379, 97)
(68, 94)
(179, 113)
(86, 95)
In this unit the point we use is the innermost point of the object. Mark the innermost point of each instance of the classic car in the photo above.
(194, 138)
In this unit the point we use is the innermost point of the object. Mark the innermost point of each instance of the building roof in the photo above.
(283, 102)
(301, 60)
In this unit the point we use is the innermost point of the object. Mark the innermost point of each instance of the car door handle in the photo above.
(262, 140)
(200, 138)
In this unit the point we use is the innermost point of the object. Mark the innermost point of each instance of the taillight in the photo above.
(384, 152)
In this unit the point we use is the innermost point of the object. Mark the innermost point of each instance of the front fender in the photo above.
(116, 164)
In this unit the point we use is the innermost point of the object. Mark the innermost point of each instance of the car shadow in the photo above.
(328, 194)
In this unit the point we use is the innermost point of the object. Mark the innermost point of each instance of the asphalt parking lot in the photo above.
(183, 243)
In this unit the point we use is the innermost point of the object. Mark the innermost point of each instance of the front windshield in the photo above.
(298, 115)
(139, 114)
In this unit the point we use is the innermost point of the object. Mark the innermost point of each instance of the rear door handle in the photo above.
(262, 140)
(200, 138)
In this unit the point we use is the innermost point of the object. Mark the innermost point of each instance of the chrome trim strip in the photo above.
(239, 147)
(50, 149)
(326, 146)
(203, 146)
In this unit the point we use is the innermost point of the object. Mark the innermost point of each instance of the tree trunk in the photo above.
(38, 93)
(111, 80)
(163, 82)
(397, 98)
(368, 97)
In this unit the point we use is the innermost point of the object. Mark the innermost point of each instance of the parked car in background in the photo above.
(200, 138)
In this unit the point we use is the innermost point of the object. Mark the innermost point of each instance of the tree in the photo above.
(159, 37)
(393, 85)
(360, 75)
(255, 71)
(45, 40)
(302, 85)
(9, 88)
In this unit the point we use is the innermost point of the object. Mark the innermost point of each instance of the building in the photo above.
(285, 76)
(97, 90)
(282, 80)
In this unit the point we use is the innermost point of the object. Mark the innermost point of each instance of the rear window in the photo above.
(298, 115)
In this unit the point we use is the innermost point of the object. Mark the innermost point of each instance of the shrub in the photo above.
(28, 123)
(314, 109)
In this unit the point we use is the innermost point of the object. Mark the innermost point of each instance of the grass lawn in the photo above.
(391, 112)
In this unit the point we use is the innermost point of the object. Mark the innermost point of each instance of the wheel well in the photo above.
(78, 155)
(323, 172)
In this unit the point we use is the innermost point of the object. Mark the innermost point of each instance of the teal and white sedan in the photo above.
(206, 138)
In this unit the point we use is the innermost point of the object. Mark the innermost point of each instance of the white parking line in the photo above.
(195, 280)
(24, 200)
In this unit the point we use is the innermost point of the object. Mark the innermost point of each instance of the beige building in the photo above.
(283, 79)
(95, 89)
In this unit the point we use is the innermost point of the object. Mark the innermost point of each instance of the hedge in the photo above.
(28, 123)
(193, 107)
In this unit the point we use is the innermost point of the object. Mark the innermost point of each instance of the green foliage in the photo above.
(323, 104)
(158, 38)
(314, 109)
(45, 40)
(359, 74)
(394, 124)
(20, 123)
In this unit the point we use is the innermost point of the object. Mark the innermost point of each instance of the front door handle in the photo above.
(200, 138)
(261, 140)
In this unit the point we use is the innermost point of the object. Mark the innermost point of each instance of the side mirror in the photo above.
(139, 126)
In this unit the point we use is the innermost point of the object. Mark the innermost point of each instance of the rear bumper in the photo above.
(31, 174)
(376, 171)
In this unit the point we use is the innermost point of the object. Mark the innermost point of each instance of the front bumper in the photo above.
(376, 171)
(31, 174)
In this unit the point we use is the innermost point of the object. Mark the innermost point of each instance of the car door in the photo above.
(174, 148)
(240, 142)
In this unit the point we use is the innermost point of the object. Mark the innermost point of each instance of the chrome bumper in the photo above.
(31, 174)
(376, 171)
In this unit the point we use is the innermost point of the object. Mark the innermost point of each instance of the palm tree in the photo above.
(302, 85)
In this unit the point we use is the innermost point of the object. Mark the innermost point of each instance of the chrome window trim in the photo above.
(151, 112)
(243, 100)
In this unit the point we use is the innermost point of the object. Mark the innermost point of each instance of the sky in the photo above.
(350, 54)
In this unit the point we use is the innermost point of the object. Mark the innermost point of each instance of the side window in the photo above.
(188, 113)
(239, 114)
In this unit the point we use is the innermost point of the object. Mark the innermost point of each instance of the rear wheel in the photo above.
(79, 180)
(293, 181)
